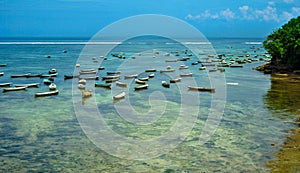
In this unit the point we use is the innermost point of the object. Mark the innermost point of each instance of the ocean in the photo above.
(152, 130)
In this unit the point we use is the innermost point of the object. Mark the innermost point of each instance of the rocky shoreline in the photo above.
(270, 68)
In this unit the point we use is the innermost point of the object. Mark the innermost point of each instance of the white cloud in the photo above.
(224, 14)
(215, 16)
(296, 11)
(288, 1)
(270, 14)
(227, 14)
(267, 14)
(286, 16)
(244, 8)
(246, 12)
(205, 15)
(190, 17)
(271, 3)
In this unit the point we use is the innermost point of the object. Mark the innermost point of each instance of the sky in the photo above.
(84, 18)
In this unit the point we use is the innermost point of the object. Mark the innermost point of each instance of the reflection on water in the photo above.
(284, 96)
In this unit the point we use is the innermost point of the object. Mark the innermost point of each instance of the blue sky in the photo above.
(84, 18)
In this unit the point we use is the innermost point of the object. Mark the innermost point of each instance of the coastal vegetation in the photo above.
(284, 47)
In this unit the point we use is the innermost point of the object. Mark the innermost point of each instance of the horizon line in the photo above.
(88, 38)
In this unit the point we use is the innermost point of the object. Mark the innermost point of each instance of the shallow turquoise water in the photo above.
(43, 134)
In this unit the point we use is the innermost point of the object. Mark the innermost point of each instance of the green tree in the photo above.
(284, 45)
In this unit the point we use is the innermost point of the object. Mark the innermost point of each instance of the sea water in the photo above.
(44, 134)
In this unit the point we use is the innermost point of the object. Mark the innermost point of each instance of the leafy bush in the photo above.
(284, 44)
